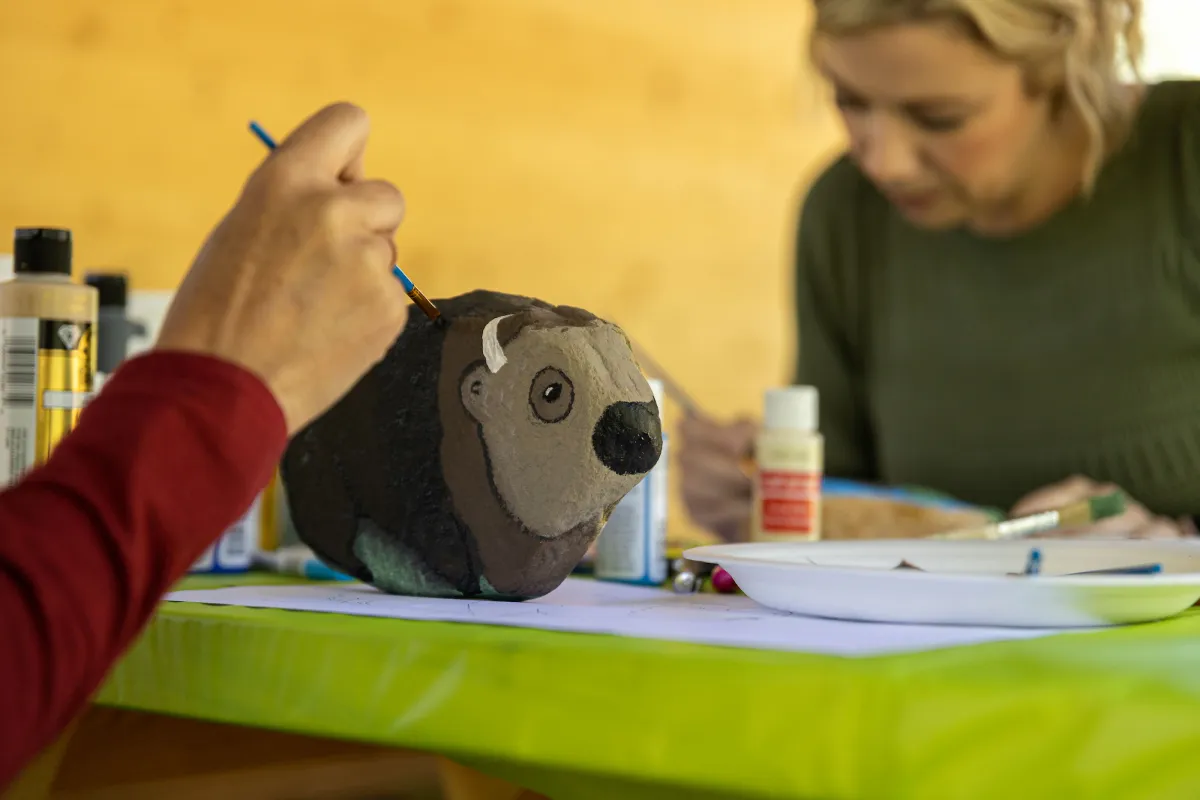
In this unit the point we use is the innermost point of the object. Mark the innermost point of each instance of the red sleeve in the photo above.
(163, 460)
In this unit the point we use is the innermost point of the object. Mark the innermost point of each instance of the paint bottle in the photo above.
(632, 548)
(790, 456)
(256, 532)
(113, 327)
(238, 545)
(47, 351)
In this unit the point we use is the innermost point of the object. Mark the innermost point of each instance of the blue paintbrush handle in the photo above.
(263, 136)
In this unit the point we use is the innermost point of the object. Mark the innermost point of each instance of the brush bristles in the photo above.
(423, 303)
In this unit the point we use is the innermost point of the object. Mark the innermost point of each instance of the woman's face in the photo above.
(945, 129)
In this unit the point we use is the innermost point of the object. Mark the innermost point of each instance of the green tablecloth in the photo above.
(1108, 714)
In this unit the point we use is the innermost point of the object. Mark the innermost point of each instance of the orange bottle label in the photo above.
(788, 501)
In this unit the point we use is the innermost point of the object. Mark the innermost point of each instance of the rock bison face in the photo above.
(567, 422)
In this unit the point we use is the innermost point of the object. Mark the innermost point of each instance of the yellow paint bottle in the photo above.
(47, 350)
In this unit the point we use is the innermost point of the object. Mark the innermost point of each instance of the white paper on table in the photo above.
(590, 606)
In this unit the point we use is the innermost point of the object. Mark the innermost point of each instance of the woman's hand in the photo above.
(716, 487)
(1134, 523)
(296, 284)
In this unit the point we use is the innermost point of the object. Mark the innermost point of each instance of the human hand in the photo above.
(717, 492)
(295, 283)
(1136, 522)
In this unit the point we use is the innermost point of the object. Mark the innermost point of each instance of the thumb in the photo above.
(380, 203)
(330, 143)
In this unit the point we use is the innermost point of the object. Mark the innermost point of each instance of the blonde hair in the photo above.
(1074, 47)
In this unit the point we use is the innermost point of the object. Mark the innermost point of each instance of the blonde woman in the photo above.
(998, 284)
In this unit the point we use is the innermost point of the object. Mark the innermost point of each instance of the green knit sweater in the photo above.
(989, 367)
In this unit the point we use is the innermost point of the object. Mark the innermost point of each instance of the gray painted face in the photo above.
(568, 421)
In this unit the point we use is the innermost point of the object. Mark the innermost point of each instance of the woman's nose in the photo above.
(886, 153)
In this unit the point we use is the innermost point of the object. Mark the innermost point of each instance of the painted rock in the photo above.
(481, 456)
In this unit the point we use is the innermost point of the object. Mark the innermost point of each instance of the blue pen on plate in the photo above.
(410, 288)
(300, 561)
(1034, 563)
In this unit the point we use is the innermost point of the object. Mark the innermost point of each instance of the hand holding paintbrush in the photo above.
(1134, 521)
(410, 288)
(292, 284)
(715, 459)
(672, 387)
(716, 485)
(1079, 513)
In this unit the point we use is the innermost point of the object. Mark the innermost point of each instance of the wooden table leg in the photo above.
(464, 783)
(116, 741)
(128, 755)
(36, 780)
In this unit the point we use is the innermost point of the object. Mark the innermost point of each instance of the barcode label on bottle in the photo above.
(20, 371)
(18, 396)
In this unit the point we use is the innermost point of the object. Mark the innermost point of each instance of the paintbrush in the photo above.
(677, 393)
(1083, 512)
(410, 288)
(670, 385)
(680, 395)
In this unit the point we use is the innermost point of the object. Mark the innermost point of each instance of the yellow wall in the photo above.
(641, 158)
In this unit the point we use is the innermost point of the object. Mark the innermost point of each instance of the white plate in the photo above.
(964, 583)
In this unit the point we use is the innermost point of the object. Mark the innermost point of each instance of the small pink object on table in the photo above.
(722, 581)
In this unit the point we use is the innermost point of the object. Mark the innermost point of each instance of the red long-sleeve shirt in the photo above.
(163, 460)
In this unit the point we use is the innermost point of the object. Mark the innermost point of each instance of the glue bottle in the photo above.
(790, 456)
(47, 352)
(633, 545)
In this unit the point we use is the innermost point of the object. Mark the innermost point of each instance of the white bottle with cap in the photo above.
(790, 456)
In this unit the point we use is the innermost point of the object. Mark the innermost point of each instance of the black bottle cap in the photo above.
(112, 287)
(42, 251)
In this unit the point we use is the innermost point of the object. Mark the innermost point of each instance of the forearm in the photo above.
(168, 456)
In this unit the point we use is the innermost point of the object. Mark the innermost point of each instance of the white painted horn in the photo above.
(493, 353)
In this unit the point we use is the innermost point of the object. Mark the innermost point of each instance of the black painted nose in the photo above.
(628, 438)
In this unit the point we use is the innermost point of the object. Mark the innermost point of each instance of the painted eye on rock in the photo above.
(551, 395)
